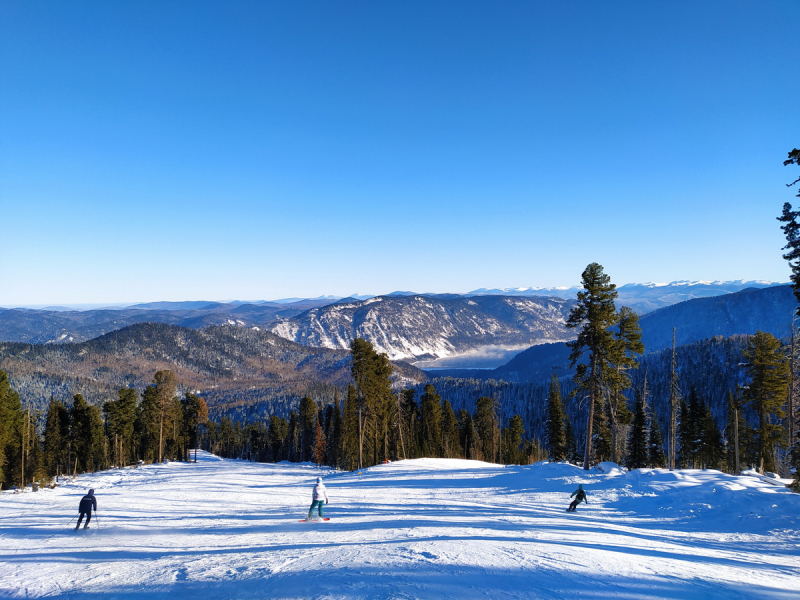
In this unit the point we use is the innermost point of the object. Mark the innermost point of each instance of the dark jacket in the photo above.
(580, 496)
(88, 502)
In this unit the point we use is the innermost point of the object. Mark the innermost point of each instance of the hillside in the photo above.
(740, 313)
(435, 330)
(66, 326)
(425, 528)
(226, 364)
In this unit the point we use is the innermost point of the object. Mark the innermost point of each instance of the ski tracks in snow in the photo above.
(412, 529)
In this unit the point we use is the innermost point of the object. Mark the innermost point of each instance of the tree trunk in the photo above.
(587, 455)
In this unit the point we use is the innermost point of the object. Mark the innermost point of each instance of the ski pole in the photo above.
(72, 519)
(97, 519)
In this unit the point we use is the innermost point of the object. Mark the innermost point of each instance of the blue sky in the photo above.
(259, 150)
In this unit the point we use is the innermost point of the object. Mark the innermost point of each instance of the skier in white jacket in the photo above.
(319, 498)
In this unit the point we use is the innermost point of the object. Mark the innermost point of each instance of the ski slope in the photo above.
(428, 528)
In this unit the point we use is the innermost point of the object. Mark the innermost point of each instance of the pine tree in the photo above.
(411, 418)
(468, 434)
(512, 440)
(10, 430)
(56, 438)
(371, 373)
(86, 433)
(657, 458)
(628, 338)
(674, 404)
(574, 454)
(276, 435)
(638, 456)
(488, 429)
(195, 413)
(595, 314)
(451, 439)
(791, 230)
(687, 436)
(350, 430)
(333, 433)
(712, 450)
(121, 417)
(160, 407)
(556, 435)
(320, 445)
(431, 422)
(308, 423)
(767, 368)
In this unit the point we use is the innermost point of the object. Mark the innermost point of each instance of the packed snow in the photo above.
(427, 528)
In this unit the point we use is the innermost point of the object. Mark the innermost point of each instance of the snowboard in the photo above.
(312, 520)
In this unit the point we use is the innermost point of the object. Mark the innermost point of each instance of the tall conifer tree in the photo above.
(431, 422)
(767, 368)
(638, 436)
(595, 347)
(556, 434)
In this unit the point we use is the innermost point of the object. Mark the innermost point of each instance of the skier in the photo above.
(88, 502)
(319, 497)
(580, 496)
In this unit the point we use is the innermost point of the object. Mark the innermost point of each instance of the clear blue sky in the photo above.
(259, 150)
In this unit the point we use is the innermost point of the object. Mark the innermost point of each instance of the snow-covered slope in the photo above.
(412, 529)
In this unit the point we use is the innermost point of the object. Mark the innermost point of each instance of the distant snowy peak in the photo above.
(562, 291)
(737, 284)
(643, 297)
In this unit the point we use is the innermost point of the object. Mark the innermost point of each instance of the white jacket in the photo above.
(320, 493)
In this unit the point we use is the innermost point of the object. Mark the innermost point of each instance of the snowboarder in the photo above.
(580, 496)
(88, 502)
(319, 497)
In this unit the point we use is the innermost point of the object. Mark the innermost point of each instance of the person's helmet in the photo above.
(319, 479)
(91, 492)
(580, 486)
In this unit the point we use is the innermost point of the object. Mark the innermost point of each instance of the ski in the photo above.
(312, 520)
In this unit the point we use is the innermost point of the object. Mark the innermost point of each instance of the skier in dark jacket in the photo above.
(88, 502)
(580, 496)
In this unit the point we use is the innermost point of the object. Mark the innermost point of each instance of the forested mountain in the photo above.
(769, 309)
(225, 364)
(65, 326)
(434, 330)
(712, 367)
(742, 313)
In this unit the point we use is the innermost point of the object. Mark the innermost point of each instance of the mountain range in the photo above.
(740, 313)
(225, 364)
(479, 330)
(644, 297)
(431, 331)
(236, 366)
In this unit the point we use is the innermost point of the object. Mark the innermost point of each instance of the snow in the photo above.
(427, 528)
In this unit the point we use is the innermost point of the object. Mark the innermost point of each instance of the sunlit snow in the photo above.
(428, 528)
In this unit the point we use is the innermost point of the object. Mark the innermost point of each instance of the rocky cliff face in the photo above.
(433, 331)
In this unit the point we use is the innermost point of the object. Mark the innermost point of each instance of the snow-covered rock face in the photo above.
(426, 329)
(426, 528)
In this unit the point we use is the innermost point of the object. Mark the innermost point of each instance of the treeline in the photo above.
(373, 424)
(67, 439)
(620, 424)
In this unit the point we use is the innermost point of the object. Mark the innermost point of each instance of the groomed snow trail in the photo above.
(428, 528)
